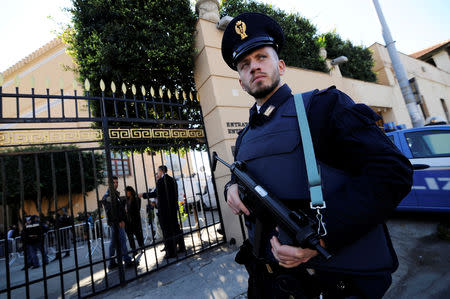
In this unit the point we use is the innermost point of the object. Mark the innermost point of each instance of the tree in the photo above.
(42, 155)
(303, 42)
(301, 48)
(148, 43)
(360, 61)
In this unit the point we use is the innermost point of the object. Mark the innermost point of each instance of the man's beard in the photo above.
(263, 92)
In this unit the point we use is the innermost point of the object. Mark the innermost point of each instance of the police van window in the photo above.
(427, 144)
(391, 137)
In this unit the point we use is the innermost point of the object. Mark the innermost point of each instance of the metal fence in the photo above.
(58, 153)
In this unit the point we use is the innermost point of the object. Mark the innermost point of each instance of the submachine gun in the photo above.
(294, 227)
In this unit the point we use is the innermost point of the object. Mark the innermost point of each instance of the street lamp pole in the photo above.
(416, 117)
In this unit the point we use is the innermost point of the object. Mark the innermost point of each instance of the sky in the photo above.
(27, 25)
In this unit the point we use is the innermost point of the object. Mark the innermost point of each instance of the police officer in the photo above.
(364, 176)
(34, 238)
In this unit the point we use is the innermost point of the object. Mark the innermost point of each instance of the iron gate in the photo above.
(58, 155)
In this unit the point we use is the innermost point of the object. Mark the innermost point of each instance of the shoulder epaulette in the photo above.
(326, 89)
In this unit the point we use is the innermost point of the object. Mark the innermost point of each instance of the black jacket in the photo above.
(117, 215)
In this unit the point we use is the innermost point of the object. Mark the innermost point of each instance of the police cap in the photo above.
(249, 31)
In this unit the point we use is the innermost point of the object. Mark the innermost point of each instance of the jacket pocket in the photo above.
(270, 144)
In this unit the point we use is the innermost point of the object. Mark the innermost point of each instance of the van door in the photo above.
(431, 150)
(410, 201)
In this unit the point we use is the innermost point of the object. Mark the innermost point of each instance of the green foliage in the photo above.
(28, 157)
(148, 43)
(360, 61)
(303, 42)
(301, 48)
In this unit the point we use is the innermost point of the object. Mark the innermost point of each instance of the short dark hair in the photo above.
(131, 189)
(163, 168)
(115, 177)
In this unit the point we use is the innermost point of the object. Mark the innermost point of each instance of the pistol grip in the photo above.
(284, 237)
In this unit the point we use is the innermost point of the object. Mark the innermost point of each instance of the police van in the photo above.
(428, 149)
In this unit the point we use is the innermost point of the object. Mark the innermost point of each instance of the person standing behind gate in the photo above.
(116, 220)
(166, 193)
(133, 226)
(367, 174)
(63, 235)
(34, 237)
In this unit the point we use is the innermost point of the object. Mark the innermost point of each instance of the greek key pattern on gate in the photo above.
(155, 133)
(27, 137)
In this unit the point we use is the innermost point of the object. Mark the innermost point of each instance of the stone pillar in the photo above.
(225, 108)
(208, 10)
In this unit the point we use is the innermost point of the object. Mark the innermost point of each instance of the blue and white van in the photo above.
(428, 149)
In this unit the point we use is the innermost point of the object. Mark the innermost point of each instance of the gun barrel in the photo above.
(323, 252)
(215, 159)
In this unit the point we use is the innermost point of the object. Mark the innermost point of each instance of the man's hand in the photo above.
(290, 256)
(122, 224)
(234, 202)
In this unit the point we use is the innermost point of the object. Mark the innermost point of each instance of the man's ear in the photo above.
(281, 67)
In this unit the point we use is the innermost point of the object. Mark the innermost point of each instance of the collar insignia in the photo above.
(240, 29)
(269, 110)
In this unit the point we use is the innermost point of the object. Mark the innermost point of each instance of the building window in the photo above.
(431, 61)
(120, 164)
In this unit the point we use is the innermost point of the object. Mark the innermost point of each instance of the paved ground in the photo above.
(424, 270)
(98, 277)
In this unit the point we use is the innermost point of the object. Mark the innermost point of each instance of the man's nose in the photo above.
(254, 66)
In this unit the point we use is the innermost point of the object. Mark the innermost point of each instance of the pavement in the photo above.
(424, 270)
(212, 274)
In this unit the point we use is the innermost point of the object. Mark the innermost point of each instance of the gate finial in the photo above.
(87, 85)
(113, 87)
(16, 80)
(102, 85)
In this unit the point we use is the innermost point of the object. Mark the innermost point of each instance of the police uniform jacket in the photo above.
(364, 175)
(33, 233)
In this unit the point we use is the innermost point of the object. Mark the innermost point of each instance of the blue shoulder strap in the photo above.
(315, 186)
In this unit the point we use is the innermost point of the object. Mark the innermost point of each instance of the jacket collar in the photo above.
(270, 106)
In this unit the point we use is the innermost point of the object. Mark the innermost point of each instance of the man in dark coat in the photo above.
(364, 176)
(167, 203)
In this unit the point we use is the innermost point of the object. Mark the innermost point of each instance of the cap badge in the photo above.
(240, 29)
